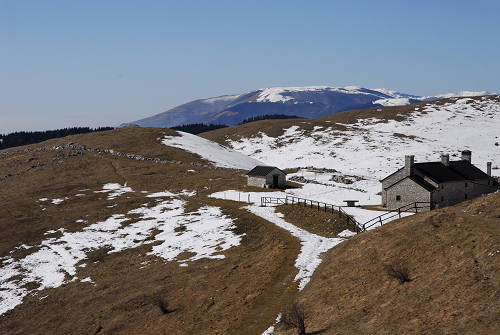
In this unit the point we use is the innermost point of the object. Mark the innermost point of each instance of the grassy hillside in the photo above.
(132, 292)
(453, 260)
(60, 194)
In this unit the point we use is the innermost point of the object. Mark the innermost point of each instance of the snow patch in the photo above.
(206, 233)
(114, 190)
(211, 151)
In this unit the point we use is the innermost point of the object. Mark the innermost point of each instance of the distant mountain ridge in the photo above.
(308, 102)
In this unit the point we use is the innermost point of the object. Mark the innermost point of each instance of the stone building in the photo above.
(266, 176)
(442, 183)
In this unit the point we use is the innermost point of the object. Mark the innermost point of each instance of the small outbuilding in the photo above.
(266, 176)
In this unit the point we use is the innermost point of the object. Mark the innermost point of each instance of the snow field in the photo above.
(206, 233)
(370, 148)
(214, 152)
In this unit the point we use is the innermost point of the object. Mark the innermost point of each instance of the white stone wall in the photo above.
(267, 181)
(256, 181)
(454, 192)
(409, 191)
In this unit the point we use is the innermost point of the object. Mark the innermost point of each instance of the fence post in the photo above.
(416, 208)
(325, 208)
(399, 212)
(318, 205)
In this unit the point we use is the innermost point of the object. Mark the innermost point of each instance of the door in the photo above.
(275, 181)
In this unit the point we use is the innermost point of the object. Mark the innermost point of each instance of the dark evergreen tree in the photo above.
(197, 128)
(268, 117)
(30, 137)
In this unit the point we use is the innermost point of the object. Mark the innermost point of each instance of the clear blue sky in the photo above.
(75, 63)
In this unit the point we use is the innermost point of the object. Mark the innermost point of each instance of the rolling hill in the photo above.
(148, 230)
(309, 102)
(366, 145)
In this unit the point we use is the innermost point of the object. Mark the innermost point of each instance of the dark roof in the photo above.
(418, 180)
(438, 172)
(468, 170)
(262, 170)
(456, 171)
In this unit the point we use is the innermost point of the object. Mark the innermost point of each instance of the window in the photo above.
(466, 186)
(465, 196)
(442, 198)
(442, 186)
(398, 198)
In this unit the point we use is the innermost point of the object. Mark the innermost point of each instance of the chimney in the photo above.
(488, 168)
(445, 160)
(467, 156)
(409, 161)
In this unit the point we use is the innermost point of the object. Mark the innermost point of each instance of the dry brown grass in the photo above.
(316, 221)
(452, 258)
(245, 291)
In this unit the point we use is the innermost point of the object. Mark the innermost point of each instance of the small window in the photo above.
(466, 186)
(465, 196)
(442, 186)
(398, 198)
(442, 198)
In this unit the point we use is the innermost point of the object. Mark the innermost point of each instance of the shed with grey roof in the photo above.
(266, 176)
(442, 183)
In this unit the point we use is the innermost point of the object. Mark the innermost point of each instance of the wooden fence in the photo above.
(335, 209)
(320, 206)
(411, 207)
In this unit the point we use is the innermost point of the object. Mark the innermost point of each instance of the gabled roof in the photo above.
(418, 180)
(455, 171)
(439, 172)
(262, 170)
(468, 170)
(392, 174)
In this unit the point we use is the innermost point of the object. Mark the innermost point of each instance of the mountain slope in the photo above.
(453, 259)
(371, 143)
(114, 233)
(309, 102)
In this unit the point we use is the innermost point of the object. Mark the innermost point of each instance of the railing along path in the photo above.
(323, 206)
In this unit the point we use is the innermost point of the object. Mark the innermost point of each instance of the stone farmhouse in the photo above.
(442, 183)
(266, 176)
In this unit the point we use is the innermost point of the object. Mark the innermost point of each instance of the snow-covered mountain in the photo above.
(309, 102)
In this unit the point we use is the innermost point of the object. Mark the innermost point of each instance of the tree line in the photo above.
(30, 137)
(198, 128)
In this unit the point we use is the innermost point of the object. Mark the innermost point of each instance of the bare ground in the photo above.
(135, 293)
(453, 259)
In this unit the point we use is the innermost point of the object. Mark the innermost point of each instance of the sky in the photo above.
(100, 63)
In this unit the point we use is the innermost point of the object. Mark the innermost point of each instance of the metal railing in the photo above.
(320, 206)
(323, 206)
(381, 219)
